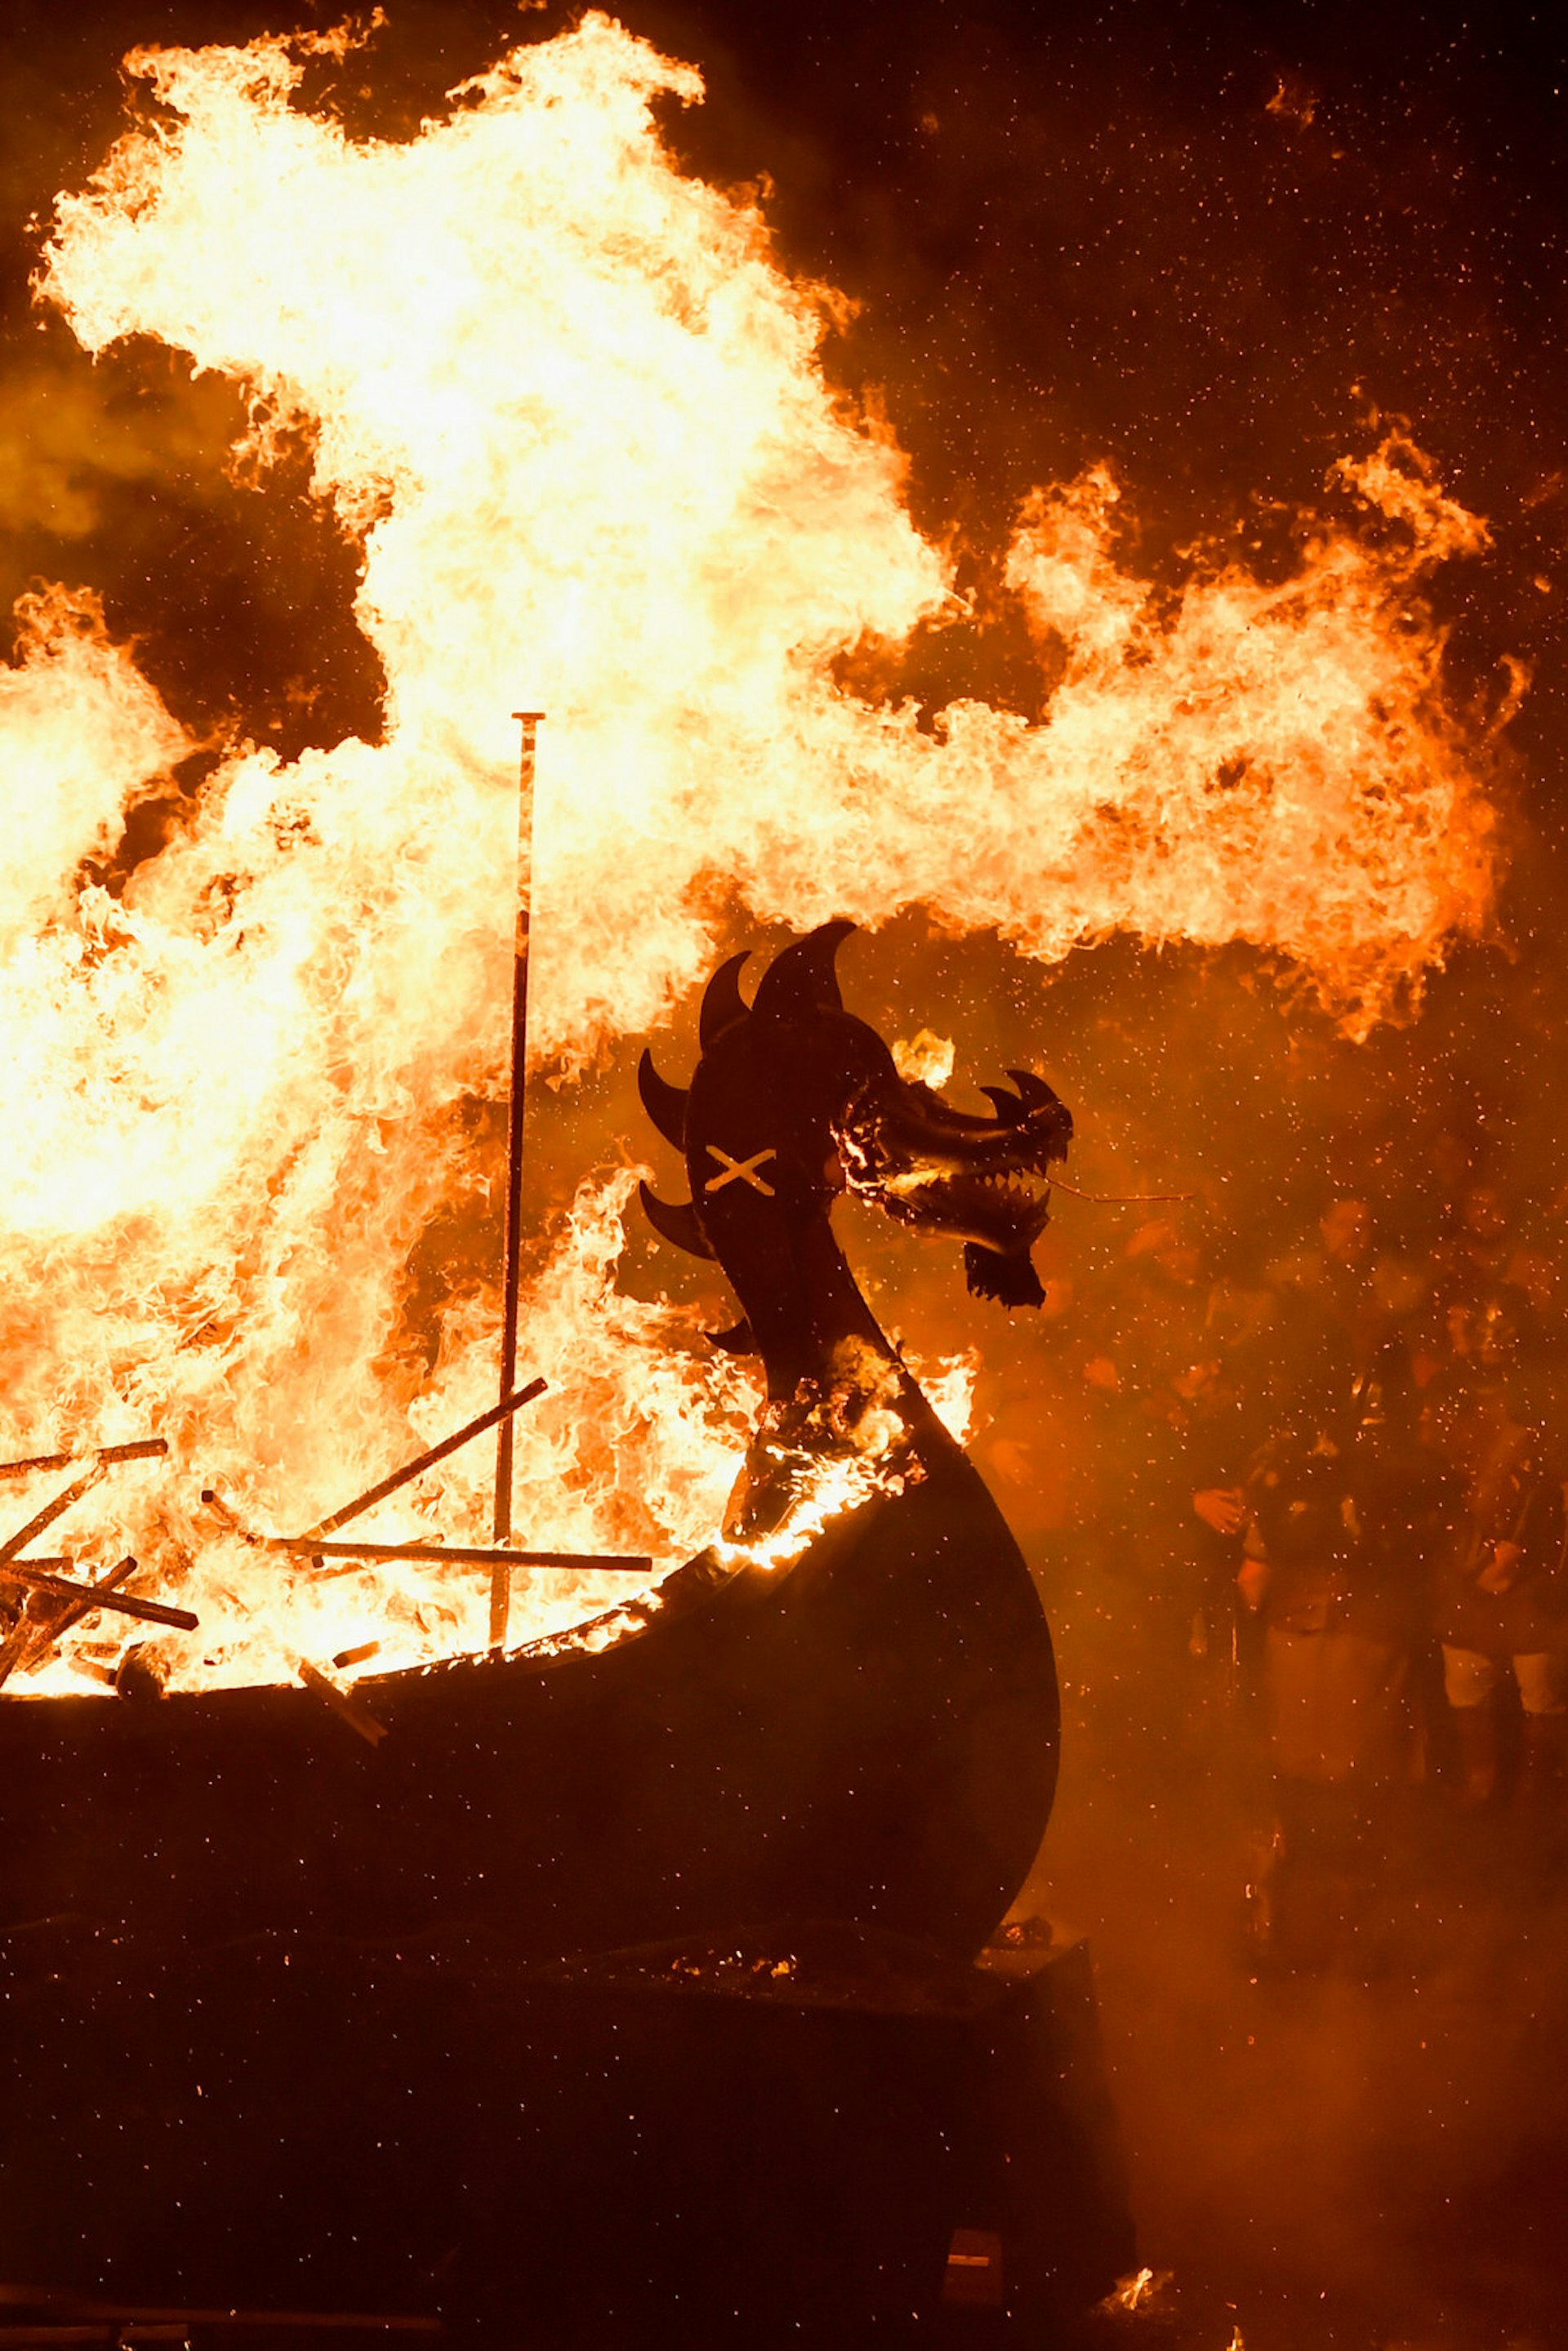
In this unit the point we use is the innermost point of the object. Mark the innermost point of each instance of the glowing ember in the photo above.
(1140, 2292)
(574, 411)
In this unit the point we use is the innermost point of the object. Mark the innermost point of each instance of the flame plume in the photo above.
(573, 408)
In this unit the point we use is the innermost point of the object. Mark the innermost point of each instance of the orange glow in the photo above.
(574, 409)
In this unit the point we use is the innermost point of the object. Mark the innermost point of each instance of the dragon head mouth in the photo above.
(939, 1171)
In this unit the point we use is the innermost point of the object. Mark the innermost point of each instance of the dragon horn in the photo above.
(803, 979)
(1033, 1092)
(1012, 1108)
(723, 1003)
(736, 1340)
(666, 1104)
(678, 1224)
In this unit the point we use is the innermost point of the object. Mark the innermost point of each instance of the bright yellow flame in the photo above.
(924, 1059)
(574, 409)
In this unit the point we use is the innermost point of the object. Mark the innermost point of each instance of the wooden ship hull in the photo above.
(868, 1735)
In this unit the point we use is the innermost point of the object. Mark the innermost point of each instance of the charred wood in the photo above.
(603, 1562)
(38, 1628)
(312, 1547)
(86, 1597)
(352, 1710)
(53, 1510)
(142, 1449)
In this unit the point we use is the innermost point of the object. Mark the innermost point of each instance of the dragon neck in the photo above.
(804, 1307)
(837, 1387)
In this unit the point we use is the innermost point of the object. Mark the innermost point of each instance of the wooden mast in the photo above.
(501, 1573)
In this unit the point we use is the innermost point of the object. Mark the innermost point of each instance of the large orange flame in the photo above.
(574, 409)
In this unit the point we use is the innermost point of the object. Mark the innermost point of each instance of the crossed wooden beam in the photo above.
(342, 1558)
(56, 1603)
(741, 1171)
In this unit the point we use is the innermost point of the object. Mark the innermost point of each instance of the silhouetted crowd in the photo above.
(1328, 1506)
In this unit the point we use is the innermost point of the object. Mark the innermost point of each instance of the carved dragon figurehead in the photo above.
(795, 1101)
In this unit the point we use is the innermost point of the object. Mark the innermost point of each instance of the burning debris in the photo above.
(46, 1604)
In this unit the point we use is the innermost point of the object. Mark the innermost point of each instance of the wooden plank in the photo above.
(92, 1596)
(461, 1555)
(142, 1449)
(411, 1469)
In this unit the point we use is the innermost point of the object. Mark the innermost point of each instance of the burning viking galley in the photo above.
(396, 1592)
